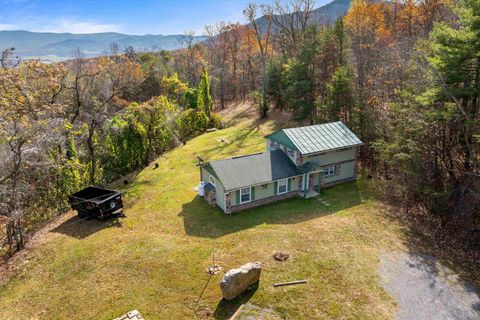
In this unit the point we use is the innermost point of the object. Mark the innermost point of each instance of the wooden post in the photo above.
(289, 283)
(319, 180)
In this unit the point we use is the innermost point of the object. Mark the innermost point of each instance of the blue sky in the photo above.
(132, 17)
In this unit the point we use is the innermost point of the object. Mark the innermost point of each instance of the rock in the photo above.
(238, 280)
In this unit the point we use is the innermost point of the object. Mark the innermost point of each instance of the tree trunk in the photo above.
(264, 106)
(222, 89)
(91, 151)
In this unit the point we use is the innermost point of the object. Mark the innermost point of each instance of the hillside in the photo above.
(155, 259)
(344, 242)
(59, 46)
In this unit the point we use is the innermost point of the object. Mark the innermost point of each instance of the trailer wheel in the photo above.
(112, 204)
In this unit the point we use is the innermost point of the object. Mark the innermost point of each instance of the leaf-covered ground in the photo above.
(155, 259)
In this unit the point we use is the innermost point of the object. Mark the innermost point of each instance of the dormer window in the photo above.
(273, 145)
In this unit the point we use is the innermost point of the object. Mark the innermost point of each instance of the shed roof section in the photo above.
(321, 137)
(309, 167)
(240, 172)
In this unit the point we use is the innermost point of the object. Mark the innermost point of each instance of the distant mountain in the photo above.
(324, 15)
(59, 46)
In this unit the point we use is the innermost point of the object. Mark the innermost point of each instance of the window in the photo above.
(211, 179)
(282, 186)
(330, 171)
(245, 195)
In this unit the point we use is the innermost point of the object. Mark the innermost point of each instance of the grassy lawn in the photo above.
(155, 259)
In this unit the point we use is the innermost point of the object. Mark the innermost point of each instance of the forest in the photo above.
(403, 75)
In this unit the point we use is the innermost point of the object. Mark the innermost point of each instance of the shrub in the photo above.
(215, 121)
(191, 98)
(190, 123)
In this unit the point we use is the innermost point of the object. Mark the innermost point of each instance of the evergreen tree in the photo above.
(300, 79)
(340, 95)
(455, 58)
(339, 32)
(276, 88)
(204, 98)
(300, 90)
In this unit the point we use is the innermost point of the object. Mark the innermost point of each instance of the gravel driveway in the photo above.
(424, 289)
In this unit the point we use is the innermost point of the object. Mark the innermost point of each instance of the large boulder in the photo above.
(238, 280)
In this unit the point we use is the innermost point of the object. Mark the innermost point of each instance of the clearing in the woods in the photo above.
(155, 259)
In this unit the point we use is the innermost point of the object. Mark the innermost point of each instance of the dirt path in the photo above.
(425, 289)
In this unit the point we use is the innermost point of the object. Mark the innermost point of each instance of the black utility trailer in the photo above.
(96, 202)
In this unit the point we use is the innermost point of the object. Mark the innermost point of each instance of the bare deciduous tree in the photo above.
(291, 19)
(263, 40)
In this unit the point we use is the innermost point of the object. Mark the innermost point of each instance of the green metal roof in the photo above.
(245, 171)
(322, 137)
(282, 138)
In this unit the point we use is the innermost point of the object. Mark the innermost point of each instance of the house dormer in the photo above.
(314, 143)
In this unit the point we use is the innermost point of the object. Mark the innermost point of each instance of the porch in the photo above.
(310, 194)
(311, 179)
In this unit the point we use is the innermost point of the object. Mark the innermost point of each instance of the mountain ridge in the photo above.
(52, 46)
(323, 15)
(49, 46)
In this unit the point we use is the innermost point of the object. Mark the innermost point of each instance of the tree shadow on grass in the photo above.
(202, 220)
(238, 140)
(80, 228)
(241, 136)
(225, 309)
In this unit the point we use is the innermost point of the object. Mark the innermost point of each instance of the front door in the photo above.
(314, 181)
(311, 181)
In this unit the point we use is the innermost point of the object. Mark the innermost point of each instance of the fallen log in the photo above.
(281, 284)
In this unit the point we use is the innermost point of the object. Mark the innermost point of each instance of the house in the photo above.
(297, 162)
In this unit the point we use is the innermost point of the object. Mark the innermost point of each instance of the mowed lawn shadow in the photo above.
(225, 309)
(202, 220)
(82, 228)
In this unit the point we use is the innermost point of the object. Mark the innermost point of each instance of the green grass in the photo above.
(155, 259)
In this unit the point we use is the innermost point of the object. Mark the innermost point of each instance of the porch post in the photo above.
(319, 180)
(304, 184)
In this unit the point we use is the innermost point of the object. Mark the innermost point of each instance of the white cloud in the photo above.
(8, 27)
(66, 25)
